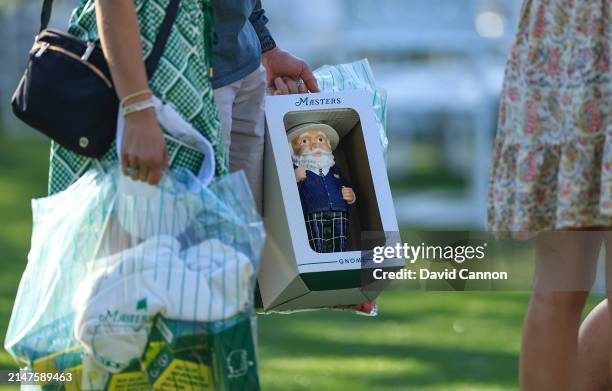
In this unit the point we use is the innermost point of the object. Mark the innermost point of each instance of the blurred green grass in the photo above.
(420, 341)
(424, 341)
(23, 176)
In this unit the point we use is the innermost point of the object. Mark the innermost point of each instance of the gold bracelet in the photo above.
(134, 95)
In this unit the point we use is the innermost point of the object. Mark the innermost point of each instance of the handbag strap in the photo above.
(162, 37)
(45, 15)
(154, 57)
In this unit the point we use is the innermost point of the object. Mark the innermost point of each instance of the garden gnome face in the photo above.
(312, 148)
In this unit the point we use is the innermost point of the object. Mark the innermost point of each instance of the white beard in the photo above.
(315, 163)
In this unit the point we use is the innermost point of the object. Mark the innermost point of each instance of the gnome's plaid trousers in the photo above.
(327, 231)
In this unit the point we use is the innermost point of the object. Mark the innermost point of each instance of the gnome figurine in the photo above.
(324, 194)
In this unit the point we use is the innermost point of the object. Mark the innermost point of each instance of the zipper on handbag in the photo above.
(44, 46)
(42, 49)
(90, 48)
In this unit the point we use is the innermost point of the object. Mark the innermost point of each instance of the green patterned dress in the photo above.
(182, 78)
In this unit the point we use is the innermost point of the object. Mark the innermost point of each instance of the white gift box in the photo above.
(293, 276)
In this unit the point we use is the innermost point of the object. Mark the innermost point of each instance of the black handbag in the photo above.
(67, 91)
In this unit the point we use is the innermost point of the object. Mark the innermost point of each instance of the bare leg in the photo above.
(565, 271)
(593, 350)
(549, 346)
(608, 331)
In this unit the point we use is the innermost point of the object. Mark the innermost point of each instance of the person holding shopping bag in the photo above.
(551, 176)
(182, 79)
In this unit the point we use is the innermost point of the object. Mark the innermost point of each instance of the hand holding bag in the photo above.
(67, 92)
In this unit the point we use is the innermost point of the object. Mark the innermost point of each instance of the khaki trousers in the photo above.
(241, 111)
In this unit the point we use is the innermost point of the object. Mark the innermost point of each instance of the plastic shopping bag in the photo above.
(112, 259)
(357, 75)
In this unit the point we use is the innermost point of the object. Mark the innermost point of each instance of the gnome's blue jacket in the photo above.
(320, 193)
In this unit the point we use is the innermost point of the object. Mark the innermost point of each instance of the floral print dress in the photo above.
(182, 79)
(552, 162)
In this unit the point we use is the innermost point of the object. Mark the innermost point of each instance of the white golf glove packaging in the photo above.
(110, 256)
